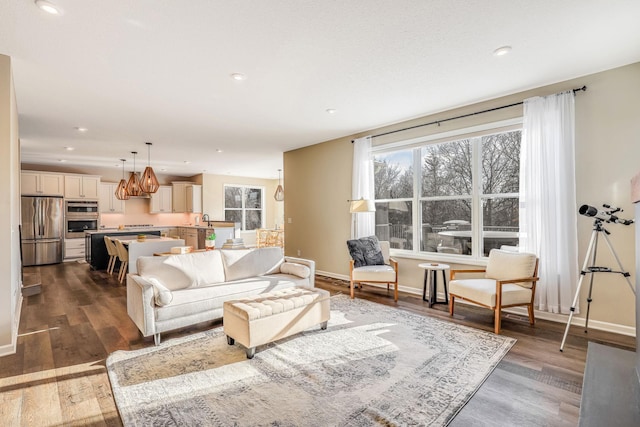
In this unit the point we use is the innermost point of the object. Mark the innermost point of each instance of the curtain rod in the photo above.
(437, 122)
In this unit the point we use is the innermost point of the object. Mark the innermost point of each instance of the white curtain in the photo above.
(362, 224)
(548, 209)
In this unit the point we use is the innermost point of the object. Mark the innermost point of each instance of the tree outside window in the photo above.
(466, 195)
(244, 204)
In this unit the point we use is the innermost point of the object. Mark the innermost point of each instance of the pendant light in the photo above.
(133, 186)
(148, 181)
(279, 195)
(121, 190)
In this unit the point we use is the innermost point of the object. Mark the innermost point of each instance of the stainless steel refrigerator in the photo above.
(42, 229)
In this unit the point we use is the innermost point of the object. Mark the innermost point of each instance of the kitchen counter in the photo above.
(214, 224)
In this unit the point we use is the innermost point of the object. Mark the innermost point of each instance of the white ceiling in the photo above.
(159, 70)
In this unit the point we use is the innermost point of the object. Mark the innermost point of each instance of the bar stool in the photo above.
(123, 256)
(113, 254)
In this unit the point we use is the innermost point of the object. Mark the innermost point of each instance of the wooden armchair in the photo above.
(510, 280)
(387, 273)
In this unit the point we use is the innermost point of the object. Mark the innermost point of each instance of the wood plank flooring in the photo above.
(58, 377)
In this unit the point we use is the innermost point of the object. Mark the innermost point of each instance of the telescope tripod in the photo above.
(591, 255)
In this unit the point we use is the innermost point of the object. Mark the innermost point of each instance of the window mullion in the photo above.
(417, 192)
(476, 211)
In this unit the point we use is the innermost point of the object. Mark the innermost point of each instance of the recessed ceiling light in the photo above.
(69, 148)
(80, 129)
(61, 160)
(218, 151)
(331, 111)
(501, 51)
(163, 169)
(186, 162)
(49, 7)
(238, 76)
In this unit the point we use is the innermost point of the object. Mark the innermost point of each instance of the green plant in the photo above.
(211, 236)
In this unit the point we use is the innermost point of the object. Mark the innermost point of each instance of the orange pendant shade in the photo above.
(148, 181)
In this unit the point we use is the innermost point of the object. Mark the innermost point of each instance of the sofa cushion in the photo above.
(243, 263)
(296, 269)
(186, 302)
(202, 268)
(170, 277)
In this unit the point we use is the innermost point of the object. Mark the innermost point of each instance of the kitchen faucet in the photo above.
(205, 217)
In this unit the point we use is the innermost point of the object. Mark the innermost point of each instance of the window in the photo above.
(244, 204)
(463, 199)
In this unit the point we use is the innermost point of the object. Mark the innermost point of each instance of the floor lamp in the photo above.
(359, 206)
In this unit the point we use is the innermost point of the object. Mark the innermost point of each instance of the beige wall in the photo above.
(607, 151)
(213, 199)
(9, 214)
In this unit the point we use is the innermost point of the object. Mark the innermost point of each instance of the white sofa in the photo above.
(175, 291)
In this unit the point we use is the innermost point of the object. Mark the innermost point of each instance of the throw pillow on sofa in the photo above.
(162, 295)
(295, 269)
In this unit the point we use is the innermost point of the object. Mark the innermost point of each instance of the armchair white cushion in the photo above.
(384, 273)
(509, 280)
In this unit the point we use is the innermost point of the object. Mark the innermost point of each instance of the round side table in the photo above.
(431, 281)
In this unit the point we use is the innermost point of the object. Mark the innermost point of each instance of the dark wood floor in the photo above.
(58, 376)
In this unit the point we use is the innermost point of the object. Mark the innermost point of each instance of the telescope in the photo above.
(606, 215)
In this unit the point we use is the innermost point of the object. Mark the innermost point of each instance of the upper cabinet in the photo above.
(187, 197)
(81, 186)
(41, 184)
(108, 202)
(161, 201)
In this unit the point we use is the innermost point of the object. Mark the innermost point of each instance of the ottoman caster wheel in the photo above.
(251, 352)
(323, 325)
(230, 340)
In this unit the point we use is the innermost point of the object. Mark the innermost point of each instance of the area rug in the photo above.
(374, 365)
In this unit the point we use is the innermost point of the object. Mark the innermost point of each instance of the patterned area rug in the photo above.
(374, 365)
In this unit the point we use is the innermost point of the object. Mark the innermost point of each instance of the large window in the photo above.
(244, 204)
(456, 197)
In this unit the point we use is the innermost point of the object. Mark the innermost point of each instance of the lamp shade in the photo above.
(133, 185)
(148, 181)
(121, 190)
(362, 205)
(279, 194)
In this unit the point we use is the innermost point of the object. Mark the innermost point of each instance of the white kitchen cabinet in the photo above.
(161, 201)
(74, 248)
(187, 197)
(81, 186)
(107, 201)
(41, 183)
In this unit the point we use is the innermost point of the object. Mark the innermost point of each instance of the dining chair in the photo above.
(113, 254)
(509, 281)
(123, 256)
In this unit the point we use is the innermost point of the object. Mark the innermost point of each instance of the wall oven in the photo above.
(80, 216)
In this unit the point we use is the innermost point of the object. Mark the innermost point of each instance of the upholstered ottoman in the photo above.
(264, 318)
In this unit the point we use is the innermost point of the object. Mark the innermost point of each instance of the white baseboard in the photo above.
(553, 317)
(8, 349)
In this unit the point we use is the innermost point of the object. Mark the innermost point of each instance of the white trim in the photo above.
(553, 317)
(410, 143)
(8, 349)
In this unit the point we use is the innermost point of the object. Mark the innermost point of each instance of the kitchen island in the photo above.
(96, 251)
(147, 247)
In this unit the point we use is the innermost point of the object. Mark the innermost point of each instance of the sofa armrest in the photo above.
(140, 304)
(309, 263)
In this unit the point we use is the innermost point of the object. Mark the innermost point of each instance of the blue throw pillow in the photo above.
(365, 251)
